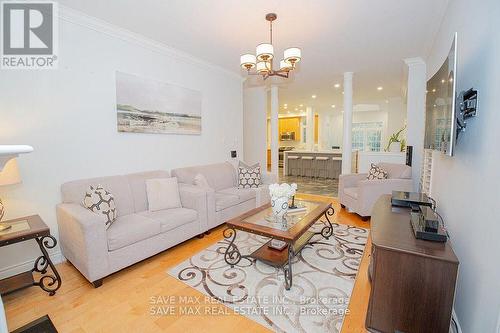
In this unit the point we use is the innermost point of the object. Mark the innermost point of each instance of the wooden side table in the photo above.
(23, 229)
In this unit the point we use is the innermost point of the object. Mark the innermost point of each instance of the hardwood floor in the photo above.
(123, 303)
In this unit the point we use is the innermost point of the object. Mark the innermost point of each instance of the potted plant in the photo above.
(396, 143)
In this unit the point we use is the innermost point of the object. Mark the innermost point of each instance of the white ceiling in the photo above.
(368, 37)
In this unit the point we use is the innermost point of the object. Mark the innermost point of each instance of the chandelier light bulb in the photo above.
(284, 66)
(265, 52)
(263, 67)
(248, 61)
(292, 55)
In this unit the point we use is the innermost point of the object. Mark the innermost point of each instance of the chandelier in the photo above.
(262, 61)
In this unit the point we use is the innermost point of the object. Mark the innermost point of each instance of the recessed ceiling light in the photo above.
(333, 106)
(313, 96)
(443, 81)
(337, 85)
(380, 88)
(285, 105)
(296, 109)
(342, 93)
(301, 105)
(434, 90)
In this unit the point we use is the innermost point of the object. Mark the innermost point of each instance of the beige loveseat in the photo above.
(360, 194)
(224, 199)
(135, 235)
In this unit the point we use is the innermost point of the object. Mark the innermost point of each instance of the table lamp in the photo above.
(9, 175)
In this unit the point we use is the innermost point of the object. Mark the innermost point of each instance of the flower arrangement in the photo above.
(282, 190)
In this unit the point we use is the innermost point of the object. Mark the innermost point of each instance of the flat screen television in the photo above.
(440, 110)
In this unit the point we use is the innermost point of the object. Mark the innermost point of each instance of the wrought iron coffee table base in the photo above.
(233, 256)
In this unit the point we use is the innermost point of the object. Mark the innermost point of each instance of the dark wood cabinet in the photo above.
(412, 280)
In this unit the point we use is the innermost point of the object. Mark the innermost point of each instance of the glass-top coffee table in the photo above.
(295, 233)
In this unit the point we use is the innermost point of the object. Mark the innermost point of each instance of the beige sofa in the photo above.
(359, 194)
(135, 235)
(224, 199)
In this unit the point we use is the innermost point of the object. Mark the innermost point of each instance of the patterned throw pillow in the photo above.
(376, 172)
(248, 176)
(100, 201)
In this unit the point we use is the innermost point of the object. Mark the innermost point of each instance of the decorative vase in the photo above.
(395, 147)
(280, 207)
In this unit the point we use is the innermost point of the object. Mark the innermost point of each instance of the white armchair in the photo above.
(359, 194)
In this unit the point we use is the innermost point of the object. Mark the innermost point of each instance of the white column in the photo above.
(274, 129)
(309, 128)
(415, 114)
(347, 122)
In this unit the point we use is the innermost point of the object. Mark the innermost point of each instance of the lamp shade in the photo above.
(264, 52)
(292, 55)
(263, 67)
(284, 66)
(248, 61)
(10, 173)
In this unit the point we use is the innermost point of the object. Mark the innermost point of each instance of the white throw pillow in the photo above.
(101, 202)
(163, 193)
(201, 181)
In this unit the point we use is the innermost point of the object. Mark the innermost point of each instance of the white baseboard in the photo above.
(56, 258)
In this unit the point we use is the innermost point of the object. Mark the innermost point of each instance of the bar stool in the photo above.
(322, 166)
(294, 164)
(307, 166)
(337, 166)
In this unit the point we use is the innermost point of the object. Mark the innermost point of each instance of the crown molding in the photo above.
(414, 61)
(90, 22)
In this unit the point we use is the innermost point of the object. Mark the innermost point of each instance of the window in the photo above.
(367, 136)
(441, 133)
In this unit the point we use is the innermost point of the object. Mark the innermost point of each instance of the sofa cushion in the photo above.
(243, 194)
(137, 183)
(248, 175)
(130, 229)
(218, 176)
(74, 191)
(201, 181)
(171, 218)
(223, 201)
(163, 193)
(352, 192)
(376, 172)
(101, 202)
(396, 171)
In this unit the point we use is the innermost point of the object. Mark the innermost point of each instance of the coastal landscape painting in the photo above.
(149, 106)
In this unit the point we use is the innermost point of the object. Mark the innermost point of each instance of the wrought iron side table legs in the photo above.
(48, 282)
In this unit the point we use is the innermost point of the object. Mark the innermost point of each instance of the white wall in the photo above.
(255, 129)
(69, 117)
(467, 185)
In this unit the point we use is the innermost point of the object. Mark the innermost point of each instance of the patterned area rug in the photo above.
(323, 278)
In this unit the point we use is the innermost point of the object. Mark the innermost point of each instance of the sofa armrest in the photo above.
(195, 197)
(269, 178)
(352, 179)
(83, 240)
(371, 190)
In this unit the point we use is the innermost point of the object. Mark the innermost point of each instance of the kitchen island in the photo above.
(324, 163)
